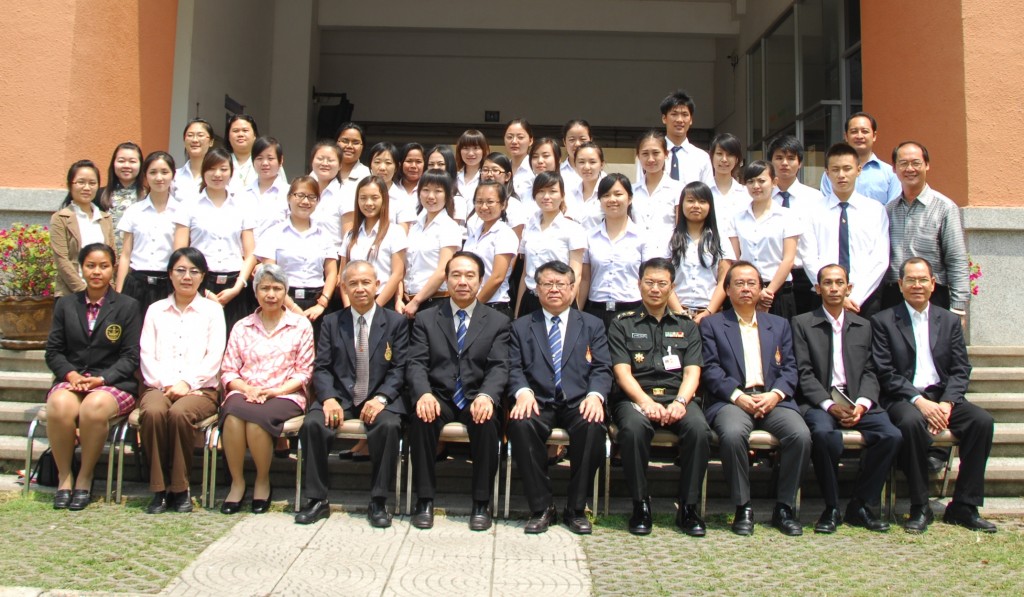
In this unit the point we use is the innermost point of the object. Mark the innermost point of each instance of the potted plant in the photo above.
(27, 272)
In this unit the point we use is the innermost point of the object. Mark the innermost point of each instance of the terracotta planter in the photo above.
(25, 321)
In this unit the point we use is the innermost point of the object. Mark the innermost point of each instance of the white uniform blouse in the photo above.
(540, 246)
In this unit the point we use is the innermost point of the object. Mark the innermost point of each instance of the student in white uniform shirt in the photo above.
(656, 195)
(351, 140)
(576, 132)
(198, 138)
(582, 202)
(405, 193)
(241, 133)
(700, 255)
(441, 158)
(728, 194)
(767, 235)
(544, 155)
(383, 163)
(495, 242)
(376, 238)
(548, 236)
(433, 239)
(518, 140)
(268, 196)
(498, 168)
(333, 212)
(219, 224)
(615, 249)
(851, 230)
(787, 155)
(148, 235)
(470, 151)
(686, 162)
(307, 255)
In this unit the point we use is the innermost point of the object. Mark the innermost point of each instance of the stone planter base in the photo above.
(25, 321)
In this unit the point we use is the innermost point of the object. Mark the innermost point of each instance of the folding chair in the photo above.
(560, 437)
(456, 433)
(291, 430)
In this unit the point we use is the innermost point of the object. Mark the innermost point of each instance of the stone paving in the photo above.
(343, 555)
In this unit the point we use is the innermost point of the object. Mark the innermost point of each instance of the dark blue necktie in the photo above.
(674, 172)
(555, 342)
(844, 237)
(785, 198)
(460, 338)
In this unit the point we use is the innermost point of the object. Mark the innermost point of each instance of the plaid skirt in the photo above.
(125, 401)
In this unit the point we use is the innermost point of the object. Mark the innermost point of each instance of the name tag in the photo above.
(638, 335)
(300, 293)
(222, 279)
(671, 362)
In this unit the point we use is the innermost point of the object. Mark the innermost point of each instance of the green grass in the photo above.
(105, 547)
(945, 560)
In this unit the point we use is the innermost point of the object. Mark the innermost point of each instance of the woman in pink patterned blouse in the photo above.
(268, 362)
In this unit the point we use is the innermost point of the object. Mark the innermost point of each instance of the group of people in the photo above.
(388, 292)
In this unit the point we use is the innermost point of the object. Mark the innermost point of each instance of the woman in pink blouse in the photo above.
(181, 349)
(268, 362)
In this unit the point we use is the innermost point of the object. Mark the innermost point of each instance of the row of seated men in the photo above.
(898, 379)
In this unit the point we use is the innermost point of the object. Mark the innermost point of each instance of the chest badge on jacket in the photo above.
(113, 332)
(387, 352)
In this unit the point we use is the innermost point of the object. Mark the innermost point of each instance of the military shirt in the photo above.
(641, 341)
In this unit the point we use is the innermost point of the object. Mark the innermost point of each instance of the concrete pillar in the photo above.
(292, 72)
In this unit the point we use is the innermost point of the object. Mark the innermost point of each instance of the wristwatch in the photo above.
(681, 399)
(381, 399)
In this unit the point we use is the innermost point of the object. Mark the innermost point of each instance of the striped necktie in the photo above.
(460, 338)
(555, 342)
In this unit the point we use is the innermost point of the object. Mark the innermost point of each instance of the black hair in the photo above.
(546, 179)
(502, 197)
(114, 183)
(786, 144)
(661, 263)
(212, 158)
(846, 274)
(440, 178)
(737, 264)
(896, 150)
(194, 255)
(559, 267)
(839, 149)
(153, 157)
(263, 143)
(912, 261)
(470, 138)
(756, 168)
(506, 164)
(709, 243)
(72, 172)
(677, 98)
(450, 167)
(605, 186)
(469, 255)
(556, 148)
(406, 150)
(871, 119)
(92, 248)
(730, 144)
(350, 125)
(235, 117)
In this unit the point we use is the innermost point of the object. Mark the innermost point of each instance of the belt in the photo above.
(786, 286)
(305, 293)
(222, 278)
(754, 390)
(612, 305)
(152, 278)
(439, 294)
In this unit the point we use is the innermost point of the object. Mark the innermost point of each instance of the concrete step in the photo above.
(1008, 440)
(22, 360)
(997, 379)
(15, 417)
(996, 356)
(1004, 407)
(25, 386)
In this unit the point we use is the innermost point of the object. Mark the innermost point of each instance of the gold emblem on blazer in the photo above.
(589, 356)
(387, 352)
(113, 332)
(638, 357)
(778, 356)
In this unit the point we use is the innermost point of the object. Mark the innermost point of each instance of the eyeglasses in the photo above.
(352, 142)
(559, 286)
(916, 281)
(305, 197)
(326, 159)
(659, 284)
(746, 284)
(85, 184)
(915, 164)
(490, 203)
(196, 136)
(492, 171)
(192, 272)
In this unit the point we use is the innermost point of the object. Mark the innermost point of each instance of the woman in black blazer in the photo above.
(93, 350)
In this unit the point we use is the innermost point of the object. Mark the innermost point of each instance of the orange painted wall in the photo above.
(913, 56)
(79, 78)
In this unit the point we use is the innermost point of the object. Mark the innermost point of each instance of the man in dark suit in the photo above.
(839, 390)
(457, 370)
(359, 372)
(749, 378)
(569, 393)
(922, 365)
(656, 356)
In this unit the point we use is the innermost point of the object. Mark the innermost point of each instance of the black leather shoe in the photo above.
(967, 516)
(480, 518)
(230, 507)
(315, 510)
(179, 502)
(690, 522)
(919, 519)
(80, 498)
(783, 519)
(577, 521)
(641, 522)
(62, 499)
(829, 521)
(935, 465)
(378, 514)
(859, 515)
(423, 514)
(158, 505)
(743, 524)
(262, 506)
(540, 521)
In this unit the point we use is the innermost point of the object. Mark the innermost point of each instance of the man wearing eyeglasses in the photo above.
(750, 377)
(559, 376)
(656, 357)
(923, 371)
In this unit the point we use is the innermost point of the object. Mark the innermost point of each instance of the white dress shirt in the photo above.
(395, 241)
(300, 254)
(89, 226)
(586, 211)
(727, 205)
(615, 264)
(761, 241)
(217, 231)
(657, 209)
(499, 240)
(368, 317)
(694, 163)
(331, 207)
(402, 204)
(424, 248)
(271, 207)
(804, 201)
(554, 243)
(570, 177)
(242, 174)
(694, 283)
(152, 234)
(876, 180)
(925, 374)
(838, 366)
(467, 188)
(185, 185)
(184, 345)
(522, 180)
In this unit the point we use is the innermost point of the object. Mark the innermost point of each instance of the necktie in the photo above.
(844, 237)
(555, 342)
(785, 198)
(674, 172)
(460, 338)
(92, 311)
(362, 363)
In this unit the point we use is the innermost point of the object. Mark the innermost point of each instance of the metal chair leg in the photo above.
(953, 451)
(607, 474)
(120, 447)
(298, 472)
(28, 455)
(112, 456)
(398, 478)
(508, 478)
(206, 468)
(408, 492)
(497, 478)
(704, 495)
(890, 495)
(214, 440)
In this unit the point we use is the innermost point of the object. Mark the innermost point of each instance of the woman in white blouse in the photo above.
(729, 195)
(405, 192)
(495, 242)
(148, 236)
(433, 239)
(198, 138)
(351, 140)
(333, 212)
(181, 347)
(583, 205)
(241, 133)
(518, 140)
(656, 196)
(377, 239)
(470, 151)
(269, 194)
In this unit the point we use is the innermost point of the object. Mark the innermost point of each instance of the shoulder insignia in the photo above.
(625, 315)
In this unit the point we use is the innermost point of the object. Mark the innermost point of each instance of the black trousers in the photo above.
(635, 434)
(600, 310)
(883, 441)
(804, 298)
(972, 425)
(483, 449)
(529, 304)
(382, 435)
(528, 439)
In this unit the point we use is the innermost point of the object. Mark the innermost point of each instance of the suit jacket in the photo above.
(66, 242)
(586, 362)
(812, 343)
(334, 368)
(434, 360)
(110, 351)
(895, 355)
(723, 369)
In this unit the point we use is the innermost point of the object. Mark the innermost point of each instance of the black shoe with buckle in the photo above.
(784, 520)
(158, 505)
(480, 517)
(315, 510)
(690, 522)
(423, 514)
(540, 521)
(967, 516)
(641, 522)
(378, 514)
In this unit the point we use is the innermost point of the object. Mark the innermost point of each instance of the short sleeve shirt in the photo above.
(425, 243)
(499, 240)
(152, 234)
(641, 341)
(300, 254)
(615, 265)
(394, 241)
(217, 231)
(555, 243)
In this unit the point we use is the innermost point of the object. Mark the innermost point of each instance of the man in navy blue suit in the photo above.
(560, 374)
(749, 379)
